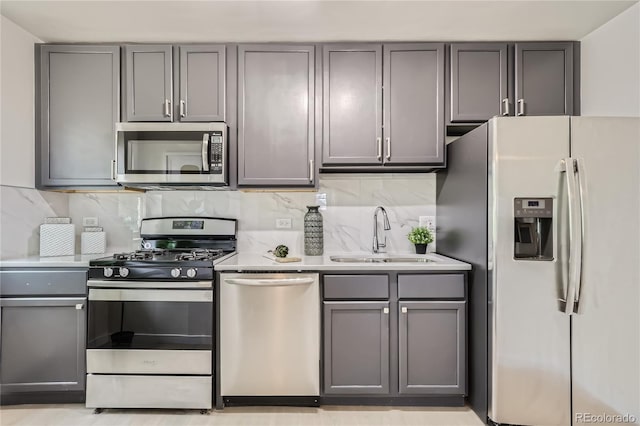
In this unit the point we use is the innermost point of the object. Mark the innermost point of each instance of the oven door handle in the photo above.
(149, 284)
(270, 282)
(144, 295)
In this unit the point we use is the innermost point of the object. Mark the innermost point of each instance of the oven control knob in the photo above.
(175, 272)
(191, 272)
(108, 272)
(123, 272)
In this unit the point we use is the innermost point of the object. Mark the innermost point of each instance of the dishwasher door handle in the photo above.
(270, 282)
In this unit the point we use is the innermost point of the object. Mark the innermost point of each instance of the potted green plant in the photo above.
(420, 236)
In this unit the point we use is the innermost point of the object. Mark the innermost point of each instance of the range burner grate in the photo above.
(200, 254)
(140, 255)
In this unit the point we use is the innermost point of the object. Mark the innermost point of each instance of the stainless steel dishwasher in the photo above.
(270, 338)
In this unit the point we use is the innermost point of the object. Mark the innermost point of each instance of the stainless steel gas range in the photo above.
(150, 332)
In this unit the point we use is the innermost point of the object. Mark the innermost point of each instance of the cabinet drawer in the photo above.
(44, 282)
(356, 287)
(433, 286)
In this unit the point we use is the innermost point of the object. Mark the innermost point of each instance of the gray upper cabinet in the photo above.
(149, 86)
(410, 131)
(544, 78)
(413, 103)
(478, 81)
(356, 347)
(352, 104)
(432, 347)
(276, 115)
(78, 89)
(202, 83)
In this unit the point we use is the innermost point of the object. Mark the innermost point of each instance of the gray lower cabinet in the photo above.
(431, 347)
(78, 89)
(478, 79)
(356, 347)
(276, 115)
(383, 105)
(43, 319)
(544, 78)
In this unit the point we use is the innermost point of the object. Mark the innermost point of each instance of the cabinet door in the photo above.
(149, 82)
(432, 353)
(79, 104)
(544, 78)
(202, 83)
(414, 103)
(352, 104)
(42, 344)
(478, 81)
(276, 115)
(356, 347)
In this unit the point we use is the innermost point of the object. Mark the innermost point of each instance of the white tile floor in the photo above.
(78, 415)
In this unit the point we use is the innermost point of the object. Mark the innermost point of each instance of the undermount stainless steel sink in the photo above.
(371, 259)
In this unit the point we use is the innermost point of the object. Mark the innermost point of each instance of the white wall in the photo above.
(610, 66)
(17, 105)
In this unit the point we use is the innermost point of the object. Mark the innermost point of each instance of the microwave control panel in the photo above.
(217, 153)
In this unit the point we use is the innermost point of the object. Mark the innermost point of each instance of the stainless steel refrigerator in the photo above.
(547, 211)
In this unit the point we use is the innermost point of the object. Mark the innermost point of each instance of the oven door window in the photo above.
(138, 324)
(166, 152)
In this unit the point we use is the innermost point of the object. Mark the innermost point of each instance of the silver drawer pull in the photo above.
(404, 309)
(385, 310)
(79, 306)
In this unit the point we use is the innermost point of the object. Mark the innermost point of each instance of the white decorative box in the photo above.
(57, 239)
(93, 242)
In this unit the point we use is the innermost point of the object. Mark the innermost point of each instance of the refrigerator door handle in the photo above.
(575, 236)
(580, 202)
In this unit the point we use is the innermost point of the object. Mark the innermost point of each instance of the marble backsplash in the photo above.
(348, 218)
(22, 212)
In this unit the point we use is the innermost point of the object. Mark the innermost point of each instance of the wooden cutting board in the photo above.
(282, 259)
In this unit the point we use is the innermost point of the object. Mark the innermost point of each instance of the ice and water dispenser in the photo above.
(533, 229)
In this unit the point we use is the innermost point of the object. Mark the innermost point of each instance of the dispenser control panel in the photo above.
(533, 207)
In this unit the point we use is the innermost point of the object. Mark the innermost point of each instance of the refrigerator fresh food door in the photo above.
(606, 328)
(528, 334)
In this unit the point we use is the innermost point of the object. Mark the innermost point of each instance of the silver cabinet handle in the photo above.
(310, 170)
(404, 310)
(505, 106)
(520, 107)
(183, 109)
(167, 108)
(388, 148)
(205, 152)
(113, 169)
(79, 306)
(385, 310)
(379, 147)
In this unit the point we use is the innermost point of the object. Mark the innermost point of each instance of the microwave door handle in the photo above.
(205, 152)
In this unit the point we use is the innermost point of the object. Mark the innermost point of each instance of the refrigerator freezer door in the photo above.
(528, 335)
(606, 329)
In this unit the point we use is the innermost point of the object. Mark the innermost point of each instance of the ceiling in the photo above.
(216, 21)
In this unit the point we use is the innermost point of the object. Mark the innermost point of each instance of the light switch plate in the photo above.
(321, 200)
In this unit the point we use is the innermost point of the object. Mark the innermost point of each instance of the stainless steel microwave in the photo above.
(155, 155)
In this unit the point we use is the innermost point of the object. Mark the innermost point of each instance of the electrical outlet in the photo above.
(283, 223)
(429, 222)
(89, 221)
(321, 200)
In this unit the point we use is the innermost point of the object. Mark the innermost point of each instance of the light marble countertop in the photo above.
(257, 262)
(77, 261)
